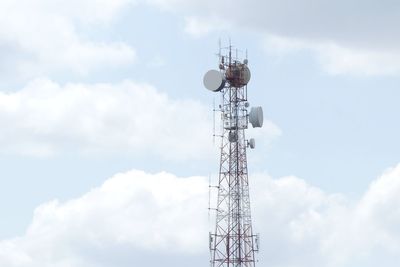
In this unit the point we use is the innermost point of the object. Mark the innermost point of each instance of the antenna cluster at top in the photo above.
(231, 79)
(231, 70)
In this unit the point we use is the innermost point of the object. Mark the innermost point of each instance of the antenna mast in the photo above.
(233, 243)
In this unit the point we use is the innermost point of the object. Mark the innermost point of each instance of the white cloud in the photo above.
(45, 117)
(337, 59)
(303, 226)
(46, 36)
(134, 210)
(161, 214)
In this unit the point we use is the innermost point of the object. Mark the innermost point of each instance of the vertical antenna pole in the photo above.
(209, 196)
(219, 45)
(214, 121)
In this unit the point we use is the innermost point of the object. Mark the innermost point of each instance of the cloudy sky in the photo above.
(106, 144)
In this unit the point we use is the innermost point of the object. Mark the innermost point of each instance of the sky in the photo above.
(106, 144)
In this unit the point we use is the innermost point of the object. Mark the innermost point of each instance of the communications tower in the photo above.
(233, 243)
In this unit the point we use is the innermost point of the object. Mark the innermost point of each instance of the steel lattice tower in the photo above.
(233, 242)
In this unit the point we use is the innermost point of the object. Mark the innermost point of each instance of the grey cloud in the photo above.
(361, 23)
(346, 37)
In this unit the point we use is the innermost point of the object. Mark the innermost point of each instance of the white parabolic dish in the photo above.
(256, 117)
(214, 80)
